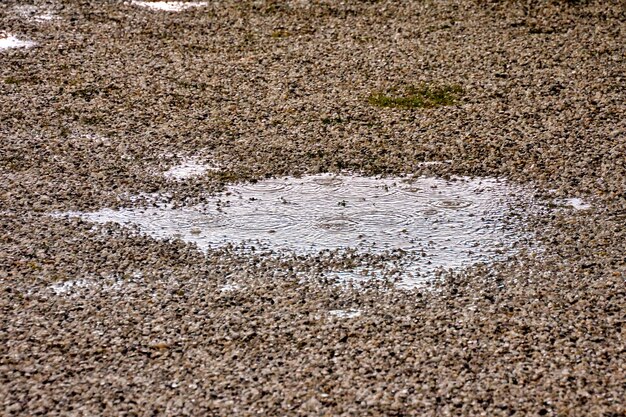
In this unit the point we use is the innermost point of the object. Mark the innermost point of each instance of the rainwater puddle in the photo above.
(426, 224)
(44, 17)
(168, 6)
(230, 288)
(186, 170)
(67, 287)
(575, 203)
(77, 287)
(33, 13)
(345, 314)
(10, 41)
(570, 203)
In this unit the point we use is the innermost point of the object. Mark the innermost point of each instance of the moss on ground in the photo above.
(415, 97)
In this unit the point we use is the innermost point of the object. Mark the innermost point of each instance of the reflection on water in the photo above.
(438, 223)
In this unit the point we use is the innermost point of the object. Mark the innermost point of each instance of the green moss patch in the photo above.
(415, 97)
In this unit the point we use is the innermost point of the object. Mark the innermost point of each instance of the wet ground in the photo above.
(204, 212)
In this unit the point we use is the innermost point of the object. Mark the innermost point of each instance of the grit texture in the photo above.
(113, 94)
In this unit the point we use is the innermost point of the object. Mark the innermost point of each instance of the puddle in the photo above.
(432, 223)
(570, 203)
(230, 288)
(67, 287)
(186, 170)
(10, 41)
(345, 314)
(77, 287)
(44, 17)
(168, 6)
(33, 13)
(575, 203)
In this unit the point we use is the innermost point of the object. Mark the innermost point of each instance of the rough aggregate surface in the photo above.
(113, 95)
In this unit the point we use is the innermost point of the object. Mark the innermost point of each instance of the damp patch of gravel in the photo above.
(114, 94)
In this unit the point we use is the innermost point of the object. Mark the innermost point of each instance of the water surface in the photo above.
(431, 222)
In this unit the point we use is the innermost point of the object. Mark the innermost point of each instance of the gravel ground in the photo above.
(113, 95)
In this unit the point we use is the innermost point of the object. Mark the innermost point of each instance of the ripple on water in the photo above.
(430, 212)
(336, 224)
(380, 219)
(263, 222)
(261, 188)
(442, 224)
(327, 181)
(454, 204)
